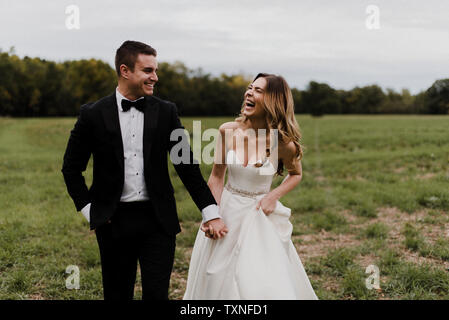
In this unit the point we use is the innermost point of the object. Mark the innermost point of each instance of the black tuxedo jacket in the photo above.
(97, 132)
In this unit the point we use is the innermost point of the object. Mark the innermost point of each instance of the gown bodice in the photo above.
(249, 179)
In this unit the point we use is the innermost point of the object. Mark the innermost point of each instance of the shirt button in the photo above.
(134, 135)
(137, 174)
(134, 155)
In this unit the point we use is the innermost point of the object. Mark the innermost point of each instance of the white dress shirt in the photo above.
(134, 187)
(131, 126)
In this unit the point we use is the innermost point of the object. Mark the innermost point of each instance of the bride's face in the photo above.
(254, 99)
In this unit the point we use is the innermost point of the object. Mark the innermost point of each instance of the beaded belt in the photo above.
(243, 193)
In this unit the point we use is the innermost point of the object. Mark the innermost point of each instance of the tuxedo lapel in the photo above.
(150, 124)
(110, 115)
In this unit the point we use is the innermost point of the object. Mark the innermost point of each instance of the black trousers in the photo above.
(134, 235)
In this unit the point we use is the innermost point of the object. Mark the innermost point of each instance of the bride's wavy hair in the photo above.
(279, 107)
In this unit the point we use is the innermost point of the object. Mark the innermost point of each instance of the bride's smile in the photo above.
(254, 99)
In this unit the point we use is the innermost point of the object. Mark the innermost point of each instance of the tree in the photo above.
(31, 87)
(362, 100)
(320, 98)
(437, 97)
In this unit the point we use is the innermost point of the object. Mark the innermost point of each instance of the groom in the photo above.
(130, 203)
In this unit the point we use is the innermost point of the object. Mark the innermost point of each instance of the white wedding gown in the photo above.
(256, 259)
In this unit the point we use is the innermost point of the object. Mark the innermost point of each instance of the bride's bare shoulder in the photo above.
(287, 150)
(231, 125)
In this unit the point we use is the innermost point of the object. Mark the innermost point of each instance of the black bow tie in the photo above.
(139, 104)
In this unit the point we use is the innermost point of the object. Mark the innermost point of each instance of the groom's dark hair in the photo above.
(128, 52)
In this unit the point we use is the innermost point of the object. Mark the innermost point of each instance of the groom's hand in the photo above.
(214, 229)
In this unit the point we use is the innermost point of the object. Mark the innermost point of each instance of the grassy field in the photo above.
(375, 191)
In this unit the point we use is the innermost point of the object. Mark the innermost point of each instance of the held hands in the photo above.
(214, 229)
(267, 203)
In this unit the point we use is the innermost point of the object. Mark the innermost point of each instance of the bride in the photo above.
(248, 253)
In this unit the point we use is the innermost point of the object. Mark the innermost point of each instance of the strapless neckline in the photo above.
(240, 162)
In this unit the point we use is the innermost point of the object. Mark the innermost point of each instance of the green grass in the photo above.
(410, 281)
(338, 261)
(354, 167)
(326, 220)
(416, 242)
(376, 231)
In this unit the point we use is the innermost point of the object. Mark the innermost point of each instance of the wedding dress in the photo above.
(256, 259)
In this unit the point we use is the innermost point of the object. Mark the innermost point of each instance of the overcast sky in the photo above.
(326, 41)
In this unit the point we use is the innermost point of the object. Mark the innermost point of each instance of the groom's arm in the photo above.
(76, 157)
(190, 174)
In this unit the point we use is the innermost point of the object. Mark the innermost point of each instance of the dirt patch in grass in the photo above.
(351, 218)
(317, 245)
(178, 283)
(400, 169)
(356, 178)
(395, 219)
(366, 260)
(416, 258)
(328, 283)
(426, 176)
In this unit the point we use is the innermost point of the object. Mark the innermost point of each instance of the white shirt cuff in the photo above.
(86, 212)
(210, 212)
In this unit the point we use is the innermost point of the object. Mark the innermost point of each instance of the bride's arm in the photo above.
(294, 176)
(217, 176)
(216, 181)
(294, 168)
(287, 185)
(216, 228)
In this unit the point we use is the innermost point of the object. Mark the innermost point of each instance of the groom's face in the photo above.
(143, 79)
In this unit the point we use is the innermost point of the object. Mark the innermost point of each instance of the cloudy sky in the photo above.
(328, 41)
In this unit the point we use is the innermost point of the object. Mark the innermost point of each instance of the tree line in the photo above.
(34, 87)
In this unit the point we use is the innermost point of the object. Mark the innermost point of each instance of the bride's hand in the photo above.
(214, 229)
(267, 203)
